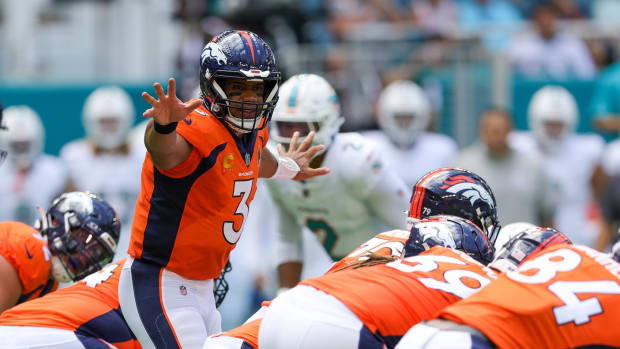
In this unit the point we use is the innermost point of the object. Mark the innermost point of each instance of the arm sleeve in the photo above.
(288, 240)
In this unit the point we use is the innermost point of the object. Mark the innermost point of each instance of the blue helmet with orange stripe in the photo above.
(452, 232)
(458, 192)
(240, 55)
(525, 244)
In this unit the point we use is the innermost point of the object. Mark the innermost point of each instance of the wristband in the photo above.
(287, 168)
(164, 129)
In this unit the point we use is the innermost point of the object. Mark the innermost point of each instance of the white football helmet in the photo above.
(107, 116)
(307, 103)
(403, 112)
(552, 106)
(25, 137)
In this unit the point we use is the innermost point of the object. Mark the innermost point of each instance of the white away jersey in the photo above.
(569, 171)
(115, 177)
(430, 152)
(20, 192)
(359, 197)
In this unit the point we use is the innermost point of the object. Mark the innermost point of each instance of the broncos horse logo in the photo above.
(213, 50)
(468, 188)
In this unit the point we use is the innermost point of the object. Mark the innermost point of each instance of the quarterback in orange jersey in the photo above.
(371, 303)
(198, 180)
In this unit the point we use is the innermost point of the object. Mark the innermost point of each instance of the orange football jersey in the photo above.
(26, 250)
(189, 218)
(390, 298)
(566, 297)
(89, 307)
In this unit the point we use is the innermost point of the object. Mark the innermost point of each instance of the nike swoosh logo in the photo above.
(28, 252)
(188, 121)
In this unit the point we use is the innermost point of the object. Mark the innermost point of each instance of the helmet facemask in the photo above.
(241, 116)
(77, 251)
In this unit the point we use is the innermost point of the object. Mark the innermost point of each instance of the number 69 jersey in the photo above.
(359, 197)
(567, 297)
(390, 298)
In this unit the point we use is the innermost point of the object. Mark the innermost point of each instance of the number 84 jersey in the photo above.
(567, 297)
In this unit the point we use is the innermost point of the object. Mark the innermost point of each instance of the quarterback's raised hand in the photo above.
(168, 108)
(302, 155)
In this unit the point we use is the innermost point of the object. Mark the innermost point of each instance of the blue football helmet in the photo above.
(525, 244)
(457, 192)
(449, 231)
(3, 152)
(242, 55)
(82, 232)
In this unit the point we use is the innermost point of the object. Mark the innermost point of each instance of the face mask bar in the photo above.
(223, 106)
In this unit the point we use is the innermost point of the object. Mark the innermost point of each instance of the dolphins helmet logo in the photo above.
(468, 188)
(214, 51)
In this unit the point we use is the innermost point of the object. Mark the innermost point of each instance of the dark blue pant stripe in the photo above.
(145, 279)
(368, 340)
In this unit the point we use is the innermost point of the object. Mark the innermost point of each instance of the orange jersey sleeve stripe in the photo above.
(247, 332)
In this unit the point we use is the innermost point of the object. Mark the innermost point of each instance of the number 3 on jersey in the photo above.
(242, 189)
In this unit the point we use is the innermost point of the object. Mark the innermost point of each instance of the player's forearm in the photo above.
(268, 165)
(166, 150)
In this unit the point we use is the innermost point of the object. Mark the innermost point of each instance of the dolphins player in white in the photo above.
(404, 113)
(359, 197)
(104, 162)
(573, 161)
(30, 177)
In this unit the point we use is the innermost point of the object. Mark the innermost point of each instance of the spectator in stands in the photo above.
(517, 177)
(493, 20)
(545, 52)
(434, 18)
(29, 177)
(104, 162)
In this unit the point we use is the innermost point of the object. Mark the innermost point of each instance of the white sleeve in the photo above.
(389, 199)
(288, 241)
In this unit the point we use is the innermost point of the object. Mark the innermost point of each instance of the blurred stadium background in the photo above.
(54, 53)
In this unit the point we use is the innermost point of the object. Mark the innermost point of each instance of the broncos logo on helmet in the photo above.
(457, 192)
(452, 232)
(468, 188)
